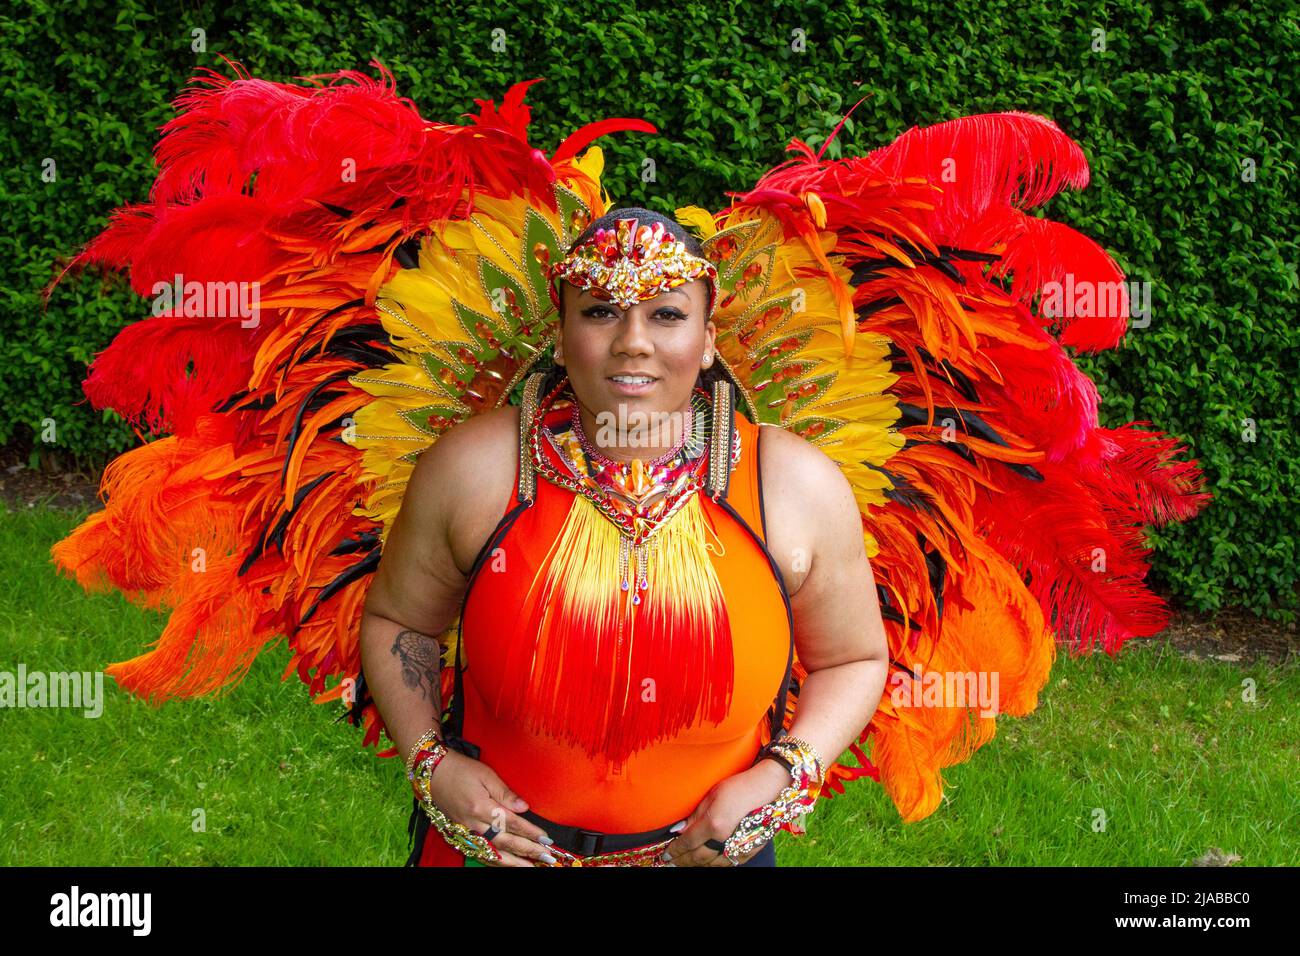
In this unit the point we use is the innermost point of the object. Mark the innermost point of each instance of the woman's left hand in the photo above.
(721, 811)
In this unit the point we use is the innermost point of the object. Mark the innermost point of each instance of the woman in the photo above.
(699, 780)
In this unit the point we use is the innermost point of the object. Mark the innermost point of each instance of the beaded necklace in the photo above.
(603, 462)
(639, 497)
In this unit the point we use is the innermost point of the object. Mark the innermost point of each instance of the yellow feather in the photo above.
(699, 218)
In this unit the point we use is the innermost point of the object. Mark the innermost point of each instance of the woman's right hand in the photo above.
(470, 793)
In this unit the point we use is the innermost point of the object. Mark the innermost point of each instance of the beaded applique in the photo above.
(594, 627)
(639, 496)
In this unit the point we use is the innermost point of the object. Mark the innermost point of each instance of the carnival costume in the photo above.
(900, 311)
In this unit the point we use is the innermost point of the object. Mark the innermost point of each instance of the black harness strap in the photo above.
(453, 736)
(783, 694)
(789, 684)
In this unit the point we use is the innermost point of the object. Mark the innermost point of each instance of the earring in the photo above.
(708, 360)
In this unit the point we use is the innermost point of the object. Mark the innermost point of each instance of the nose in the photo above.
(633, 336)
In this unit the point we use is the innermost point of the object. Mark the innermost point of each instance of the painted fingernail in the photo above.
(677, 827)
(547, 857)
(665, 857)
(546, 840)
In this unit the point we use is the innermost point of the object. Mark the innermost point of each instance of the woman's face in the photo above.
(664, 339)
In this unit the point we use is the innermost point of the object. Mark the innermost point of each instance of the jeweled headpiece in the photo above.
(628, 264)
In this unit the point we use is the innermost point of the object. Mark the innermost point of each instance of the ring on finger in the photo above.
(721, 848)
(461, 837)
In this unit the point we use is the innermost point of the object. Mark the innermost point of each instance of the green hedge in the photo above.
(1167, 114)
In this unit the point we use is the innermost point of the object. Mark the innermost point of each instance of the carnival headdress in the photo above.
(630, 263)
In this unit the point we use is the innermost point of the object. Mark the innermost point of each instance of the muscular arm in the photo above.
(814, 519)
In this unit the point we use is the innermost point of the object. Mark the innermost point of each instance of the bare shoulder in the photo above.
(470, 473)
(453, 498)
(793, 464)
(809, 504)
(479, 442)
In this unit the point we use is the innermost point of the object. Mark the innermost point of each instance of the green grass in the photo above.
(1163, 745)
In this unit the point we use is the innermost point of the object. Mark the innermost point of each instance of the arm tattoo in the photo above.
(421, 658)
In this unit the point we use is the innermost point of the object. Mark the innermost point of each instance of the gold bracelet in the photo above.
(422, 772)
(789, 746)
(785, 812)
(459, 836)
(430, 736)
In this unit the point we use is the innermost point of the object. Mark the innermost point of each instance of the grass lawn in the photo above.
(1160, 748)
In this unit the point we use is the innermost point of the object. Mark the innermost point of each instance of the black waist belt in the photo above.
(573, 839)
(593, 842)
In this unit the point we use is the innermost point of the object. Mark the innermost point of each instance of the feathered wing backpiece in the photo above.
(881, 307)
(905, 314)
(285, 433)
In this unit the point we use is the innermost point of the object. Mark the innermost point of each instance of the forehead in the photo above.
(683, 295)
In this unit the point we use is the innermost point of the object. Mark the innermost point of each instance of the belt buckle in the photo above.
(648, 855)
(588, 842)
(589, 850)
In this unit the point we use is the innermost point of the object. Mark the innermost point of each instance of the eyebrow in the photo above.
(587, 293)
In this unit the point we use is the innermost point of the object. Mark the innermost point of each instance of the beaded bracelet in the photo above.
(460, 837)
(776, 748)
(758, 826)
(430, 736)
(426, 761)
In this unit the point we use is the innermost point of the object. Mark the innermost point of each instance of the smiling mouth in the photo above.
(633, 379)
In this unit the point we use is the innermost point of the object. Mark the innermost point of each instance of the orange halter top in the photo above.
(611, 707)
